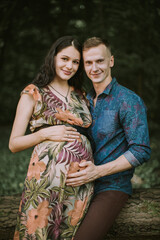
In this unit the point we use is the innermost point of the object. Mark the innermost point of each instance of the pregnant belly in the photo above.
(74, 151)
(66, 152)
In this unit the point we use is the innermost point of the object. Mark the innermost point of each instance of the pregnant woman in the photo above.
(55, 109)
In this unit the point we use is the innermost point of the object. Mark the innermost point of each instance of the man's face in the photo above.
(97, 63)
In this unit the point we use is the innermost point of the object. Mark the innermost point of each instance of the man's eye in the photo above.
(87, 63)
(100, 61)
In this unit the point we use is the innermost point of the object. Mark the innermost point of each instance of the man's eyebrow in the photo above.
(101, 58)
(88, 60)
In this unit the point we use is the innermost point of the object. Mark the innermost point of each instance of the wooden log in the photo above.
(139, 219)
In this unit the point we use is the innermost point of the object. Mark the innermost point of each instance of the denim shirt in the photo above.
(119, 127)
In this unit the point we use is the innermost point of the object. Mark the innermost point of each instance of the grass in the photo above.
(14, 167)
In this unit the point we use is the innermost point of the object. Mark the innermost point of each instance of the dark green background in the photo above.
(28, 29)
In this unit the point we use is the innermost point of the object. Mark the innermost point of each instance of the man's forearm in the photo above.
(119, 165)
(93, 172)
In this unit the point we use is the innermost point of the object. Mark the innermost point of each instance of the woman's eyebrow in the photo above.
(65, 56)
(68, 57)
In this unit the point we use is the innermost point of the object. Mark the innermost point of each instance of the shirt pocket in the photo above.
(108, 122)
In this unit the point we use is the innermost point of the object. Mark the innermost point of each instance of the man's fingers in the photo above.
(77, 174)
(76, 184)
(85, 163)
(75, 181)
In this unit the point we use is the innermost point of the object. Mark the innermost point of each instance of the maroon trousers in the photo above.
(101, 215)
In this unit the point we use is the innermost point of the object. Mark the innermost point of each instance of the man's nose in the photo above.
(69, 65)
(94, 67)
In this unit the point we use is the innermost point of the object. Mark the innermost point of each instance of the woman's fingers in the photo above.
(71, 129)
(65, 139)
(63, 133)
(71, 133)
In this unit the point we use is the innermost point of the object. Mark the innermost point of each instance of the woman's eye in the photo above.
(76, 62)
(64, 59)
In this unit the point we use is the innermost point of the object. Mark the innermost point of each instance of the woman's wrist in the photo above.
(41, 134)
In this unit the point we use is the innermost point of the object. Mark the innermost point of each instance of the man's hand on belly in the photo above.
(89, 174)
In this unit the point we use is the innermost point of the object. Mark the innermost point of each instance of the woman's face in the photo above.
(67, 63)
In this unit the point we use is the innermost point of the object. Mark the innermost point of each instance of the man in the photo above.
(121, 138)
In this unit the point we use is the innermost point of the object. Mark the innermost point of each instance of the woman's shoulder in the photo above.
(32, 90)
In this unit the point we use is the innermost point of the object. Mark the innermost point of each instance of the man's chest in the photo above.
(105, 117)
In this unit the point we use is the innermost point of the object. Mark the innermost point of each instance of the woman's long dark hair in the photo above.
(47, 71)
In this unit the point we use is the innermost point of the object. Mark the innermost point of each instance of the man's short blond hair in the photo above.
(94, 42)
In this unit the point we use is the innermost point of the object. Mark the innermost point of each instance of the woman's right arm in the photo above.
(19, 141)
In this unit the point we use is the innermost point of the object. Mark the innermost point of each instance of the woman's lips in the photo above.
(67, 72)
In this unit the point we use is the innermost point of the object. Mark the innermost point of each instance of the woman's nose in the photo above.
(69, 65)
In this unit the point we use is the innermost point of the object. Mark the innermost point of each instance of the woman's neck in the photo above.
(61, 89)
(59, 83)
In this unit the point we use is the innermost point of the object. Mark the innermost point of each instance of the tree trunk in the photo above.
(139, 219)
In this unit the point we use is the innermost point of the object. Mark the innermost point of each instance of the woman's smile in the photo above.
(66, 72)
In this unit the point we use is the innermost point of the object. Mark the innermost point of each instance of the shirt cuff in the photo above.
(131, 159)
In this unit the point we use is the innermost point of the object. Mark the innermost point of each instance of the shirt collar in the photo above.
(106, 91)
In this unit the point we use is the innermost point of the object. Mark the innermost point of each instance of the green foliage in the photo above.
(28, 28)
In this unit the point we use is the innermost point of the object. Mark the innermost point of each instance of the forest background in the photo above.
(27, 30)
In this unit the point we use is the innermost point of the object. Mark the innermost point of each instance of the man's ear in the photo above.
(111, 61)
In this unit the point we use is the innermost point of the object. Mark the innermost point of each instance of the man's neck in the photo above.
(100, 87)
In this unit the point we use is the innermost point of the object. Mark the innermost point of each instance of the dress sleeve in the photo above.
(35, 93)
(133, 118)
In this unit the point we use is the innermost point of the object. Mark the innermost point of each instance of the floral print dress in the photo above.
(49, 209)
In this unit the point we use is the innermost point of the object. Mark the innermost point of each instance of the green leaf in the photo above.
(70, 191)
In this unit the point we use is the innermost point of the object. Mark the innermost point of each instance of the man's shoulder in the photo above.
(126, 94)
(128, 100)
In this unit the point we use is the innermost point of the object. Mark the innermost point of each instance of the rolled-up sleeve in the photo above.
(133, 118)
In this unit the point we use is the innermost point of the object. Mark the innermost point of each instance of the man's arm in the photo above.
(133, 118)
(92, 172)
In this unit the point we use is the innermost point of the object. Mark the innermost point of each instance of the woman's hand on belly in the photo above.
(60, 133)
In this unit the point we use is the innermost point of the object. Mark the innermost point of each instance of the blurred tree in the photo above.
(28, 28)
